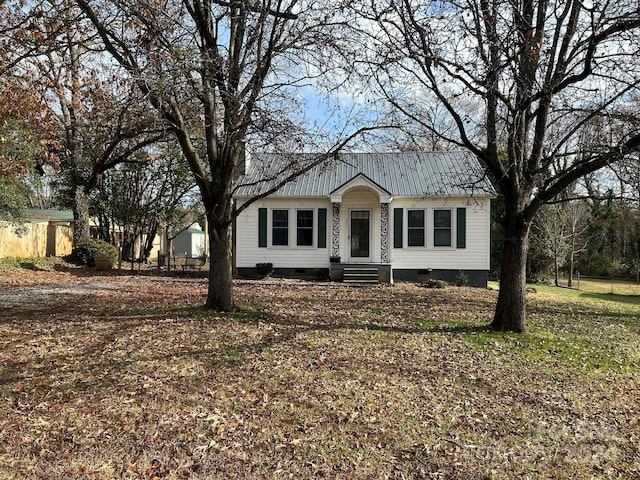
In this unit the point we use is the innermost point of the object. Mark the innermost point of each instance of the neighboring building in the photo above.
(404, 216)
(46, 233)
(189, 243)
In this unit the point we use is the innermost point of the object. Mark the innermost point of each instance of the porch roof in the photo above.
(406, 174)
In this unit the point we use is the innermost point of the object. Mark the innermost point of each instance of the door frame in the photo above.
(368, 259)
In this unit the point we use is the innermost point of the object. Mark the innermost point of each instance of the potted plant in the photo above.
(96, 253)
(105, 255)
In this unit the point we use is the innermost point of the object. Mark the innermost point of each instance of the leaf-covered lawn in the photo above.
(124, 376)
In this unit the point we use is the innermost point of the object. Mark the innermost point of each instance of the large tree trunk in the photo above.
(510, 314)
(220, 294)
(80, 215)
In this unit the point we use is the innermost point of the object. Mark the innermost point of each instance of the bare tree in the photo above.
(220, 72)
(577, 219)
(559, 233)
(531, 66)
(551, 236)
(629, 176)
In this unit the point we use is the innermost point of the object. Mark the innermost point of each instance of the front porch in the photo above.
(359, 227)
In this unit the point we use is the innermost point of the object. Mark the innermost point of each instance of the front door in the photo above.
(360, 235)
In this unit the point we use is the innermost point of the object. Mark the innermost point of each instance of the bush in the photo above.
(434, 283)
(86, 252)
(264, 269)
(462, 280)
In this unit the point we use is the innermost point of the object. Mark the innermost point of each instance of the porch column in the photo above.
(384, 232)
(335, 230)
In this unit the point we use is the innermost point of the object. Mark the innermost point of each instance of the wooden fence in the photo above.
(39, 240)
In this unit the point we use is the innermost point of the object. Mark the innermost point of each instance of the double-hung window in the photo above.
(305, 228)
(442, 228)
(280, 227)
(415, 228)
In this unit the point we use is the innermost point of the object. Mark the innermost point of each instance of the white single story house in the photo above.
(398, 216)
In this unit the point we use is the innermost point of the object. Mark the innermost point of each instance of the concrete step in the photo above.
(360, 275)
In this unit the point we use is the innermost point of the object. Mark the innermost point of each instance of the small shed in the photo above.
(190, 243)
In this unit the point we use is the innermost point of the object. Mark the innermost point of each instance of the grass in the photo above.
(594, 286)
(124, 376)
(608, 286)
(585, 325)
(34, 263)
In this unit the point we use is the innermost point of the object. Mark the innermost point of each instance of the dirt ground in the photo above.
(120, 375)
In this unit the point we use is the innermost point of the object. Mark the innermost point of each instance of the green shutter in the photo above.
(461, 228)
(322, 228)
(262, 227)
(397, 227)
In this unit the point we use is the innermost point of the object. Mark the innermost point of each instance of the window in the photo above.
(305, 228)
(280, 227)
(415, 228)
(442, 228)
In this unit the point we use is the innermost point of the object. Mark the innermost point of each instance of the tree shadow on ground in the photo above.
(298, 324)
(461, 329)
(85, 271)
(30, 265)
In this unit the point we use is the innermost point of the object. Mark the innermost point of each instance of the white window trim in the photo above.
(451, 246)
(426, 229)
(314, 229)
(270, 229)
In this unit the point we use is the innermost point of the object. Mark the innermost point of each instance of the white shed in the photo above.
(190, 243)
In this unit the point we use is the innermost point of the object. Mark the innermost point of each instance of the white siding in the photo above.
(474, 257)
(189, 244)
(248, 254)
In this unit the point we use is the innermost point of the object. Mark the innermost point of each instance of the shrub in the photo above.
(434, 283)
(265, 270)
(86, 252)
(462, 280)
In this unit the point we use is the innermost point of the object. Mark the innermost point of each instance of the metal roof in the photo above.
(41, 215)
(406, 174)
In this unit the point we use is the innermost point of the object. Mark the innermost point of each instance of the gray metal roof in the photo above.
(424, 174)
